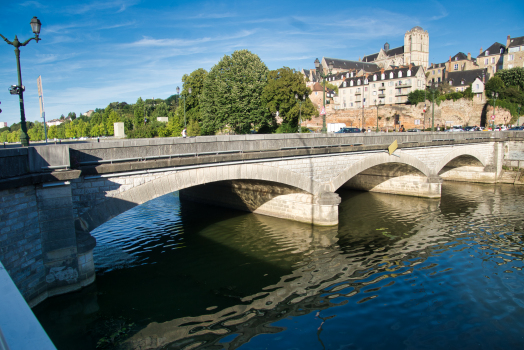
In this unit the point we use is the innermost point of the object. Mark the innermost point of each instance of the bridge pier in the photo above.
(268, 198)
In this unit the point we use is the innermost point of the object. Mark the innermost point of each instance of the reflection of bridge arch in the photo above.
(378, 159)
(458, 152)
(178, 180)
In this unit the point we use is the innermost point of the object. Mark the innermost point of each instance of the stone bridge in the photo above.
(53, 196)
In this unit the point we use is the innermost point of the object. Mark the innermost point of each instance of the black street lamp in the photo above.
(184, 98)
(320, 73)
(494, 95)
(377, 104)
(300, 110)
(19, 89)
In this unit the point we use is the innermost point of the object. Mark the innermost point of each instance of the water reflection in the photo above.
(398, 272)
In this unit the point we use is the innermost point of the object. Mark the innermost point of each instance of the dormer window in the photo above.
(365, 81)
(347, 75)
(451, 82)
(486, 53)
(501, 50)
(351, 83)
(409, 73)
(400, 74)
(351, 74)
(358, 82)
(391, 75)
(382, 76)
(462, 82)
(374, 77)
(344, 84)
(456, 58)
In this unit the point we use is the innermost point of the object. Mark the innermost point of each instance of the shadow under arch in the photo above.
(179, 180)
(379, 159)
(460, 153)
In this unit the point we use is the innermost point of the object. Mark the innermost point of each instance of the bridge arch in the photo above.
(458, 152)
(173, 181)
(378, 159)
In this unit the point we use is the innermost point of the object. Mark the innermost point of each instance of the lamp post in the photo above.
(320, 73)
(300, 110)
(494, 95)
(518, 117)
(184, 98)
(19, 89)
(377, 104)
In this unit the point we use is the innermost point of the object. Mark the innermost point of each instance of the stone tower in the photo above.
(416, 47)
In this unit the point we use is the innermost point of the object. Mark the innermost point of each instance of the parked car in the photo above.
(414, 130)
(518, 128)
(472, 128)
(348, 131)
(454, 129)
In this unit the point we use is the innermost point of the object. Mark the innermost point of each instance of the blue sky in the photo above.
(96, 52)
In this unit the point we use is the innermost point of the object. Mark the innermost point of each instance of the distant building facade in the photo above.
(384, 87)
(514, 56)
(492, 59)
(3, 124)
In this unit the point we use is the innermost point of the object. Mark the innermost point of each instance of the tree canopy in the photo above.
(279, 95)
(231, 94)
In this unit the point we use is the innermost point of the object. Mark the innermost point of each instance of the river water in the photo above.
(396, 273)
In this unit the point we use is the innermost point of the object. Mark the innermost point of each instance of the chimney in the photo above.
(382, 70)
(469, 56)
(449, 65)
(480, 51)
(359, 59)
(410, 65)
(507, 42)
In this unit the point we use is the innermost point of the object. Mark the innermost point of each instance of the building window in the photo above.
(451, 82)
(492, 59)
(409, 73)
(439, 71)
(456, 66)
(351, 74)
(511, 57)
(456, 58)
(347, 75)
(382, 76)
(433, 72)
(510, 66)
(438, 80)
(391, 75)
(344, 84)
(374, 77)
(514, 49)
(461, 89)
(400, 74)
(374, 93)
(358, 82)
(365, 81)
(316, 93)
(493, 69)
(477, 86)
(391, 83)
(486, 60)
(351, 83)
(486, 53)
(501, 50)
(366, 89)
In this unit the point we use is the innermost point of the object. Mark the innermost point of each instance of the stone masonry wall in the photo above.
(461, 112)
(20, 240)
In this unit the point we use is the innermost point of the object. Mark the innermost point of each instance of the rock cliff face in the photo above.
(461, 112)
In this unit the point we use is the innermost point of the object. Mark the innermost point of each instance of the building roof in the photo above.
(461, 56)
(346, 64)
(493, 50)
(391, 52)
(516, 41)
(468, 76)
(414, 71)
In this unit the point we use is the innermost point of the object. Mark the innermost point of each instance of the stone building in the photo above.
(461, 80)
(514, 55)
(491, 59)
(435, 73)
(385, 87)
(414, 51)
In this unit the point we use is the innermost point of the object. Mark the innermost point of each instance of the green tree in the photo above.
(52, 133)
(279, 95)
(193, 128)
(71, 115)
(138, 113)
(512, 77)
(332, 87)
(231, 94)
(110, 123)
(496, 85)
(417, 96)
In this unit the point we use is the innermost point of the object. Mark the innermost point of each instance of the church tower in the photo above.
(416, 47)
